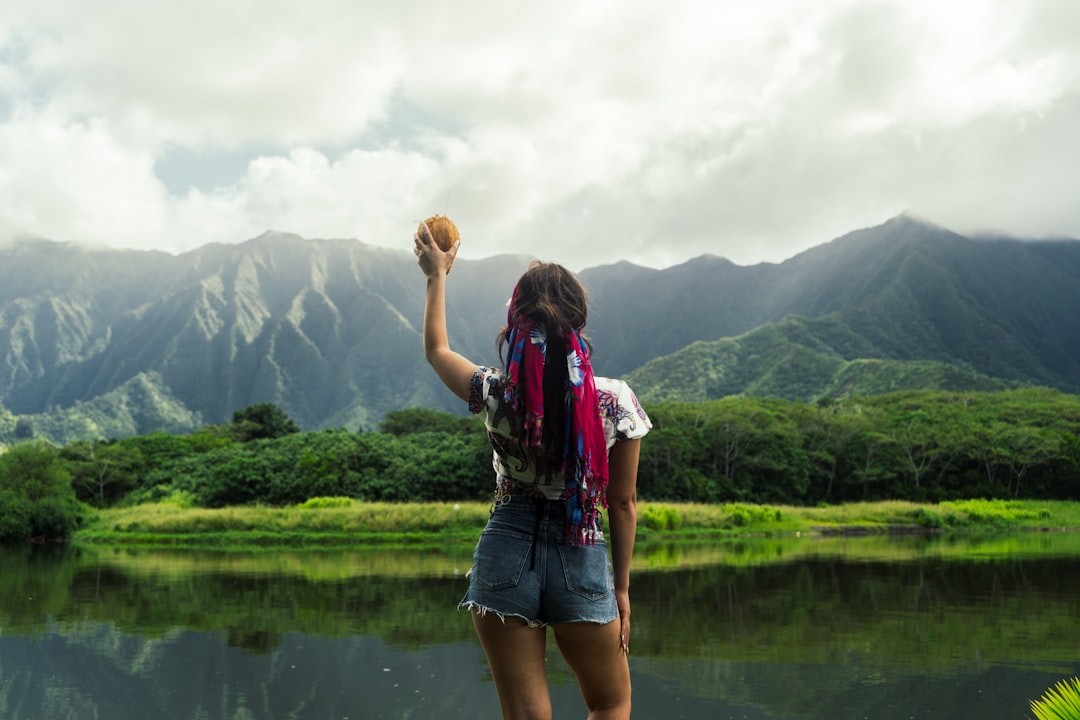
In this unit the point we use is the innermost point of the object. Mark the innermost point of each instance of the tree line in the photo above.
(921, 446)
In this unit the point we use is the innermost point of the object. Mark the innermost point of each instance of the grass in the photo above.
(343, 522)
(333, 523)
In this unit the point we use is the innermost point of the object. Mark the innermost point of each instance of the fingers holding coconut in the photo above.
(433, 261)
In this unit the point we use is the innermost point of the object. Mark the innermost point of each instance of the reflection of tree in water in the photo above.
(34, 585)
(925, 612)
(929, 614)
(832, 639)
(256, 642)
(805, 637)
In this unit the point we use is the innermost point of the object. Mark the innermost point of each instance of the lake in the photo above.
(883, 628)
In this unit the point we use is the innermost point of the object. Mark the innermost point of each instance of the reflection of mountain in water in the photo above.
(803, 636)
(100, 672)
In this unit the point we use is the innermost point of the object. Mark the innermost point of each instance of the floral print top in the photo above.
(624, 419)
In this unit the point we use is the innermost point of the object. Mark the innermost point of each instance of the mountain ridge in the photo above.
(329, 329)
(907, 288)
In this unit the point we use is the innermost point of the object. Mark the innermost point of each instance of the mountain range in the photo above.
(107, 343)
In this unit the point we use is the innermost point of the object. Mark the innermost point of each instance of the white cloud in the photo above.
(583, 132)
(213, 73)
(74, 181)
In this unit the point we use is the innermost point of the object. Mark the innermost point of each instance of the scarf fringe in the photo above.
(585, 498)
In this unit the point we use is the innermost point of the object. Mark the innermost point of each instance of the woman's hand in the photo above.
(431, 259)
(622, 599)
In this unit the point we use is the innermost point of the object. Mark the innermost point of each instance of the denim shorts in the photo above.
(525, 567)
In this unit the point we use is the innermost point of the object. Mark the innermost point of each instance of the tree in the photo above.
(102, 472)
(914, 434)
(736, 434)
(777, 469)
(36, 497)
(828, 433)
(1026, 448)
(24, 428)
(874, 450)
(418, 420)
(669, 467)
(263, 421)
(33, 470)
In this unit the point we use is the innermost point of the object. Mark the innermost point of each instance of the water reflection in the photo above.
(795, 628)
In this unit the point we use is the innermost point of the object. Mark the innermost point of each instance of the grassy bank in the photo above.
(344, 522)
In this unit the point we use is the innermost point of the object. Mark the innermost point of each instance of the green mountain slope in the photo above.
(796, 359)
(329, 329)
(905, 290)
(141, 405)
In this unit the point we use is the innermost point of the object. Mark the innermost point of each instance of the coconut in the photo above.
(443, 231)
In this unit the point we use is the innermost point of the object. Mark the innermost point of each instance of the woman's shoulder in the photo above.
(621, 408)
(615, 388)
(610, 384)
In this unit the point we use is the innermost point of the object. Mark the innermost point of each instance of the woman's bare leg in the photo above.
(515, 653)
(603, 673)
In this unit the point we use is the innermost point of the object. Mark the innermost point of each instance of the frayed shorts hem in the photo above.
(482, 610)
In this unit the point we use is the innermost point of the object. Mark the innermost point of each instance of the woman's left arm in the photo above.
(453, 369)
(622, 521)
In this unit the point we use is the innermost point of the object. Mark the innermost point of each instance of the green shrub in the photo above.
(996, 513)
(326, 502)
(660, 517)
(53, 518)
(14, 517)
(33, 470)
(160, 494)
(928, 519)
(739, 515)
(36, 497)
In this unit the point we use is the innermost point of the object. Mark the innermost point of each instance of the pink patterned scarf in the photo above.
(585, 460)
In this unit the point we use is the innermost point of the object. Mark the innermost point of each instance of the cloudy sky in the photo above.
(582, 132)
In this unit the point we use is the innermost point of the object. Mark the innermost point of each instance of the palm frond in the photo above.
(1061, 702)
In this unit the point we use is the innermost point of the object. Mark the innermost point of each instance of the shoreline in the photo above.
(353, 523)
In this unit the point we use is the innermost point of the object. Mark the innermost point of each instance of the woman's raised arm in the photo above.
(453, 369)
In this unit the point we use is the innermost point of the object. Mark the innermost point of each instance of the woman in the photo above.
(565, 446)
